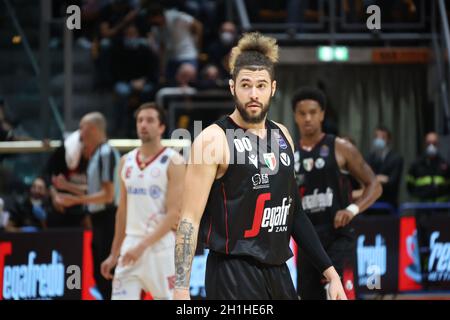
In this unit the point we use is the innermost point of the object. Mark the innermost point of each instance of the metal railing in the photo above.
(123, 145)
(332, 25)
(424, 206)
(442, 54)
(384, 206)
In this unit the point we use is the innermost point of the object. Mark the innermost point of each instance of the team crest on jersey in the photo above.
(270, 160)
(155, 172)
(320, 163)
(128, 172)
(308, 164)
(285, 159)
(324, 151)
(154, 191)
(164, 159)
(300, 178)
(281, 142)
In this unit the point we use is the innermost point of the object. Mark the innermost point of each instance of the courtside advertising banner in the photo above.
(376, 254)
(434, 232)
(409, 264)
(41, 265)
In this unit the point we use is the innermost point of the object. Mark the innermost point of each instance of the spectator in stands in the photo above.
(90, 19)
(386, 164)
(7, 126)
(393, 10)
(113, 20)
(31, 214)
(182, 41)
(4, 215)
(135, 71)
(428, 178)
(90, 14)
(356, 9)
(102, 196)
(219, 50)
(210, 78)
(65, 168)
(296, 10)
(185, 80)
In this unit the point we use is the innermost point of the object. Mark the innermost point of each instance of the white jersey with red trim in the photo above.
(146, 187)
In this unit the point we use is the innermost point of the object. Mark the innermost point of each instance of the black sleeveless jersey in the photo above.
(323, 188)
(250, 209)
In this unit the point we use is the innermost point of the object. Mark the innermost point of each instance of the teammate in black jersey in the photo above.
(240, 197)
(322, 164)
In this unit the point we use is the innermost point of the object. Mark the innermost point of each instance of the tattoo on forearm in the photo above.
(184, 253)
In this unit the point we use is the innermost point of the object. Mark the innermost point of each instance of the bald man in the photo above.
(99, 195)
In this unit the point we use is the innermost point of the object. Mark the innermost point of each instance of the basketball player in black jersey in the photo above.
(322, 165)
(240, 197)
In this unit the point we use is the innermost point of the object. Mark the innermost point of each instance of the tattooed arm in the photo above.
(205, 164)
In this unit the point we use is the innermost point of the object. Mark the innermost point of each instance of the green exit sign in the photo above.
(327, 54)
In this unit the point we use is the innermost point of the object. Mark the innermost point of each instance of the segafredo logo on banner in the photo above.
(371, 261)
(439, 260)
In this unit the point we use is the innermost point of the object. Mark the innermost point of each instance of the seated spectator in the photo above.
(114, 18)
(185, 79)
(183, 38)
(135, 71)
(219, 50)
(428, 178)
(7, 126)
(210, 78)
(31, 214)
(387, 165)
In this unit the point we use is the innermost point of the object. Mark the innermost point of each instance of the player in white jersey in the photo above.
(149, 209)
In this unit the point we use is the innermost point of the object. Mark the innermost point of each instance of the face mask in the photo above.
(227, 38)
(36, 202)
(431, 150)
(379, 144)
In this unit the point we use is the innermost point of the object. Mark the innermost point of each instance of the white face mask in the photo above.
(36, 202)
(431, 150)
(379, 144)
(227, 37)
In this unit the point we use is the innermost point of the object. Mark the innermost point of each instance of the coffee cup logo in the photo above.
(412, 248)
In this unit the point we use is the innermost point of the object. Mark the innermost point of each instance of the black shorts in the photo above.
(244, 278)
(310, 282)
